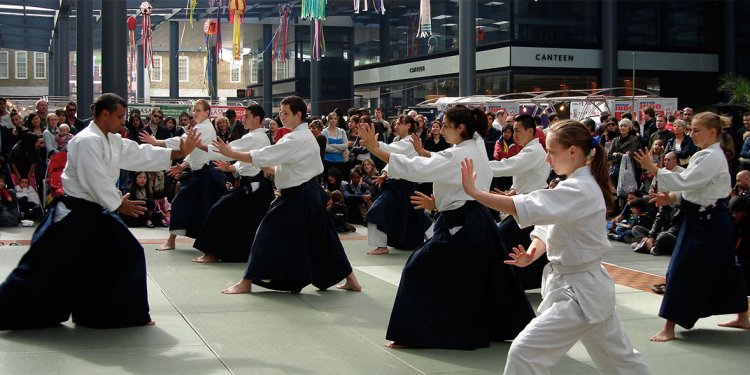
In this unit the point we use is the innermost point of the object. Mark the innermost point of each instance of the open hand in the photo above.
(660, 199)
(224, 166)
(175, 171)
(422, 202)
(222, 147)
(131, 208)
(146, 138)
(189, 143)
(646, 158)
(367, 136)
(521, 258)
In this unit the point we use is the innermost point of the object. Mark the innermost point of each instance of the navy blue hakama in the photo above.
(296, 243)
(95, 271)
(229, 230)
(703, 278)
(195, 198)
(455, 291)
(511, 235)
(394, 214)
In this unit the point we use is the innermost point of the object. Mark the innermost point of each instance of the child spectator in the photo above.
(63, 137)
(28, 200)
(5, 197)
(337, 212)
(140, 190)
(8, 212)
(638, 218)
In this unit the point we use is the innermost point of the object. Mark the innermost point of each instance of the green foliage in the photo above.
(738, 89)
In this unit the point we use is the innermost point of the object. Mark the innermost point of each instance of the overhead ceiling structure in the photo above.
(30, 24)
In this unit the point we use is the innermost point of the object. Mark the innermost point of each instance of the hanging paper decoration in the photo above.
(425, 20)
(146, 34)
(132, 23)
(191, 9)
(210, 29)
(219, 4)
(279, 51)
(378, 5)
(236, 16)
(316, 10)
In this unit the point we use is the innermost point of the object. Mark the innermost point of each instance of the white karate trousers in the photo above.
(375, 236)
(550, 335)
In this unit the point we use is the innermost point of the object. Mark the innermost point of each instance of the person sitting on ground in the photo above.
(8, 211)
(140, 190)
(357, 196)
(338, 212)
(739, 206)
(639, 218)
(625, 213)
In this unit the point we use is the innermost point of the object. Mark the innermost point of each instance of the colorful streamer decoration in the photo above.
(378, 5)
(425, 20)
(219, 4)
(316, 10)
(132, 23)
(210, 29)
(236, 16)
(147, 34)
(279, 51)
(191, 10)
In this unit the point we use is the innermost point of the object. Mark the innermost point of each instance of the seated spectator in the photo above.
(742, 187)
(28, 200)
(369, 175)
(639, 219)
(140, 190)
(63, 137)
(5, 197)
(739, 206)
(8, 209)
(333, 180)
(625, 213)
(357, 196)
(337, 212)
(23, 158)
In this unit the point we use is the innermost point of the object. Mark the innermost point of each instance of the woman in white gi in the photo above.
(433, 307)
(579, 295)
(95, 271)
(703, 278)
(391, 220)
(229, 230)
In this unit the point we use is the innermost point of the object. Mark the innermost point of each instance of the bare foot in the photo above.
(151, 323)
(165, 246)
(666, 333)
(378, 251)
(207, 258)
(351, 284)
(393, 345)
(740, 322)
(242, 286)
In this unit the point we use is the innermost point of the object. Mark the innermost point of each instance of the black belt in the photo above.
(74, 203)
(294, 189)
(247, 180)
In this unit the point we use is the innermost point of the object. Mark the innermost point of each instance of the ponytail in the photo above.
(474, 120)
(480, 118)
(573, 133)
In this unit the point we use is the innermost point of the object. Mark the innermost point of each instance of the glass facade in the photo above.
(556, 22)
(665, 25)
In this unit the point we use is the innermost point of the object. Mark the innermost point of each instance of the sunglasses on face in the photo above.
(157, 116)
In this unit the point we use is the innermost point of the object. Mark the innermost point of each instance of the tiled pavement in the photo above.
(200, 331)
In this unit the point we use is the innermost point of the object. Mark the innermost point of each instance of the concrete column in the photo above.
(85, 56)
(140, 73)
(52, 63)
(114, 51)
(267, 78)
(609, 43)
(467, 47)
(384, 31)
(214, 67)
(174, 63)
(315, 76)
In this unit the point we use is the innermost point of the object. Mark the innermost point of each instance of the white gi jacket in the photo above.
(253, 140)
(529, 168)
(443, 169)
(705, 180)
(570, 219)
(198, 158)
(296, 157)
(401, 147)
(95, 160)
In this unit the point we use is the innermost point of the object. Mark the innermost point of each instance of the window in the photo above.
(40, 65)
(21, 65)
(184, 69)
(4, 66)
(235, 71)
(156, 69)
(255, 66)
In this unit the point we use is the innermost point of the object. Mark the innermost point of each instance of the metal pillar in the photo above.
(730, 43)
(85, 56)
(467, 47)
(114, 53)
(63, 53)
(214, 67)
(385, 37)
(174, 62)
(609, 43)
(315, 76)
(52, 63)
(267, 78)
(140, 73)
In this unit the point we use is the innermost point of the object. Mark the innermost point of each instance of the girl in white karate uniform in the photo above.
(579, 295)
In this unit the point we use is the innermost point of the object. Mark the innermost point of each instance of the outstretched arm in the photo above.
(227, 151)
(497, 202)
(522, 258)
